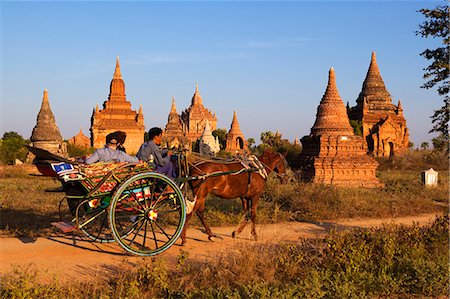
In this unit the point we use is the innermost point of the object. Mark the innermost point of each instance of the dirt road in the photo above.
(71, 257)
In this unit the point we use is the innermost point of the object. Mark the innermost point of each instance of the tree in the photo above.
(12, 148)
(221, 134)
(251, 142)
(424, 145)
(437, 73)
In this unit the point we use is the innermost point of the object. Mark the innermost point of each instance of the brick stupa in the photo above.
(174, 136)
(236, 142)
(117, 115)
(332, 154)
(195, 116)
(46, 134)
(383, 123)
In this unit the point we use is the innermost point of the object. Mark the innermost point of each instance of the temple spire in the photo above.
(46, 128)
(235, 128)
(196, 99)
(173, 109)
(117, 86)
(373, 85)
(331, 117)
(117, 74)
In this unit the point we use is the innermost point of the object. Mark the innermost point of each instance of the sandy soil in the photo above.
(71, 257)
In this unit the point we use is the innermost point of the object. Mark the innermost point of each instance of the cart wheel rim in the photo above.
(155, 213)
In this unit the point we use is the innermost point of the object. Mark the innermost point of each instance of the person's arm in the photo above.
(95, 157)
(143, 153)
(127, 158)
(156, 152)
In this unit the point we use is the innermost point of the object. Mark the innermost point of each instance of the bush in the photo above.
(391, 261)
(12, 148)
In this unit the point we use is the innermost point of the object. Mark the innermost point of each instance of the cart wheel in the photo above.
(147, 213)
(92, 219)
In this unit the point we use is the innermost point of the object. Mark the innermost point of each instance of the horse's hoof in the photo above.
(183, 242)
(210, 238)
(233, 234)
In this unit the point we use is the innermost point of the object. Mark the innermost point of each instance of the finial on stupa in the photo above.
(173, 109)
(117, 74)
(196, 86)
(96, 108)
(140, 109)
(399, 105)
(45, 97)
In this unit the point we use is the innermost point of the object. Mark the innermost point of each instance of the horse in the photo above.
(232, 180)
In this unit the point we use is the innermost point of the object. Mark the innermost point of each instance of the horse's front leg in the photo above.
(201, 216)
(188, 217)
(244, 219)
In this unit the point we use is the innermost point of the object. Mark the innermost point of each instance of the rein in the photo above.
(282, 160)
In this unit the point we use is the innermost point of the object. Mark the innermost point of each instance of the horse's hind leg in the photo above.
(253, 216)
(244, 219)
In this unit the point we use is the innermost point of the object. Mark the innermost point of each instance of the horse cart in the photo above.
(144, 211)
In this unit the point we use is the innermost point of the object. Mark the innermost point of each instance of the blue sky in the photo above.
(267, 60)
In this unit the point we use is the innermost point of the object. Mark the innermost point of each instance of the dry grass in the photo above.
(27, 210)
(389, 262)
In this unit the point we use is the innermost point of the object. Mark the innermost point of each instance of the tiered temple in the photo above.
(383, 124)
(195, 116)
(332, 154)
(236, 142)
(46, 134)
(80, 140)
(117, 115)
(174, 134)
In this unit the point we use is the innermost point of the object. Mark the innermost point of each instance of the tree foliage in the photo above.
(221, 134)
(437, 73)
(12, 148)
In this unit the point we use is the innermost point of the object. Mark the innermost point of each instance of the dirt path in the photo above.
(75, 258)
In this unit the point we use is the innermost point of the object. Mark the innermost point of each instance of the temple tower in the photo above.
(117, 115)
(332, 154)
(236, 142)
(208, 144)
(383, 124)
(46, 134)
(195, 116)
(80, 140)
(174, 135)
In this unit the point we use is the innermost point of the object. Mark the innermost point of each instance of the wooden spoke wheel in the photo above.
(92, 219)
(147, 213)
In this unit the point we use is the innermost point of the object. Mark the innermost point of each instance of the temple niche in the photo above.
(80, 140)
(46, 134)
(117, 115)
(195, 116)
(174, 133)
(383, 123)
(236, 142)
(332, 153)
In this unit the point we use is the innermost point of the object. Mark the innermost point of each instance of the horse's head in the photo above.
(276, 162)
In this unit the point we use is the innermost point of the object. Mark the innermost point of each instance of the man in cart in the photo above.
(150, 151)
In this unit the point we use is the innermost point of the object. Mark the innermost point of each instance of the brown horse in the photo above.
(232, 180)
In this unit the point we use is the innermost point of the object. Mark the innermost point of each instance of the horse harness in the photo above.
(250, 165)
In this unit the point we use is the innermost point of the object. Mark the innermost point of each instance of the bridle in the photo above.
(282, 160)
